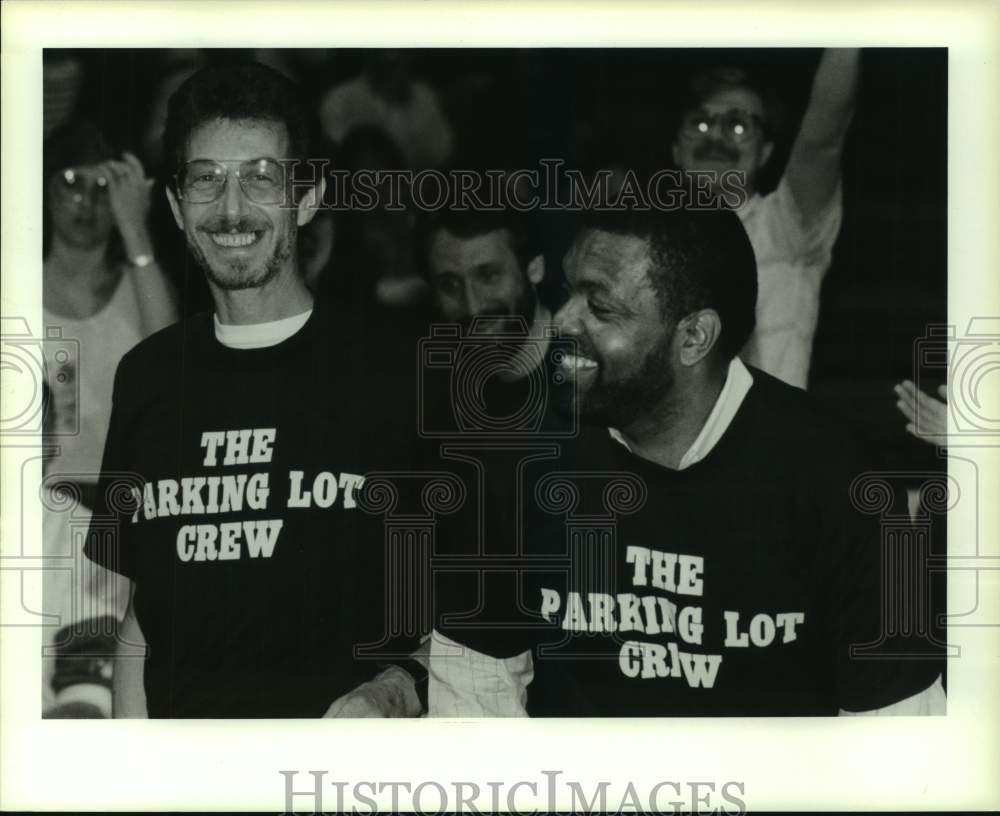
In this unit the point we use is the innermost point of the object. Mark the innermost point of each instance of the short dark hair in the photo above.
(701, 259)
(524, 238)
(708, 81)
(243, 91)
(76, 143)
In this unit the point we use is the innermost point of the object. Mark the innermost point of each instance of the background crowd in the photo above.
(500, 109)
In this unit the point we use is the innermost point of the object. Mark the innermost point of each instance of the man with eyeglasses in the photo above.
(230, 493)
(729, 124)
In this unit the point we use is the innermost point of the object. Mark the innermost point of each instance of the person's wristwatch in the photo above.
(141, 261)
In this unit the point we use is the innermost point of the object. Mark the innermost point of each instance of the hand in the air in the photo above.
(933, 412)
(129, 195)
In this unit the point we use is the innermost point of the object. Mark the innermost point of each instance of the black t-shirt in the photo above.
(734, 587)
(485, 427)
(231, 495)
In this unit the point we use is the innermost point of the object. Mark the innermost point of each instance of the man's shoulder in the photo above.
(169, 345)
(788, 417)
(787, 403)
(337, 317)
(778, 215)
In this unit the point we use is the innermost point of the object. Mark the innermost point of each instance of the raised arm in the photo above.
(129, 191)
(813, 169)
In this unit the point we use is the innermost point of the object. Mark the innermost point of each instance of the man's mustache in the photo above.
(222, 224)
(716, 150)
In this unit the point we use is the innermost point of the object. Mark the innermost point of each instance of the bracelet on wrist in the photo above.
(142, 261)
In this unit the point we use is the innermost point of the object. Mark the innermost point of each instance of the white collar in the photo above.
(747, 207)
(259, 335)
(734, 391)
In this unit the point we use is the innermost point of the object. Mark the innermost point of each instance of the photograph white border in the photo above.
(785, 764)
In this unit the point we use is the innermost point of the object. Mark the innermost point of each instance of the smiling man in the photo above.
(483, 264)
(239, 246)
(499, 404)
(232, 477)
(484, 270)
(699, 553)
(730, 122)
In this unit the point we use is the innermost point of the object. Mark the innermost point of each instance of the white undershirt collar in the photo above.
(259, 335)
(737, 385)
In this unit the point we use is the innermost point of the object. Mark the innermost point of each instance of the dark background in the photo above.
(511, 107)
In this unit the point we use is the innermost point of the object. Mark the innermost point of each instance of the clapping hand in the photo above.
(933, 412)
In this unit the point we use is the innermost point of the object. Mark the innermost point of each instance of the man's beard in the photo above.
(619, 404)
(238, 275)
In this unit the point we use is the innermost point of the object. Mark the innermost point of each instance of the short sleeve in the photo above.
(811, 239)
(119, 489)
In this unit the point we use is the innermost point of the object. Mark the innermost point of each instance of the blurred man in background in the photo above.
(730, 122)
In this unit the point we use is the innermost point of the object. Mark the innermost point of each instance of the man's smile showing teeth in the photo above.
(574, 362)
(234, 239)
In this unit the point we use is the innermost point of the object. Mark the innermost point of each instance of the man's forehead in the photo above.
(610, 256)
(238, 139)
(737, 97)
(464, 250)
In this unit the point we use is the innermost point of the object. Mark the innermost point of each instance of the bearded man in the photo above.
(230, 493)
(704, 549)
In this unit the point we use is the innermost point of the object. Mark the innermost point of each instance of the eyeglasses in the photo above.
(202, 181)
(735, 125)
(73, 184)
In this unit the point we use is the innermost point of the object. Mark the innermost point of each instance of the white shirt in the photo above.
(734, 391)
(259, 335)
(792, 260)
(81, 357)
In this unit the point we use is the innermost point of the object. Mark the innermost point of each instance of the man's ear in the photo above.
(674, 151)
(697, 335)
(175, 208)
(764, 153)
(310, 202)
(536, 269)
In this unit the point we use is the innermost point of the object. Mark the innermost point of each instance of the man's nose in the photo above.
(233, 199)
(88, 196)
(567, 319)
(475, 300)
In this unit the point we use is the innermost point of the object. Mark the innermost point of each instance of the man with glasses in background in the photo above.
(729, 123)
(239, 444)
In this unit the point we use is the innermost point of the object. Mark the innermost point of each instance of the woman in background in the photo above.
(102, 286)
(103, 292)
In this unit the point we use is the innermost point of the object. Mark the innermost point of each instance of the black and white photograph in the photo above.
(611, 385)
